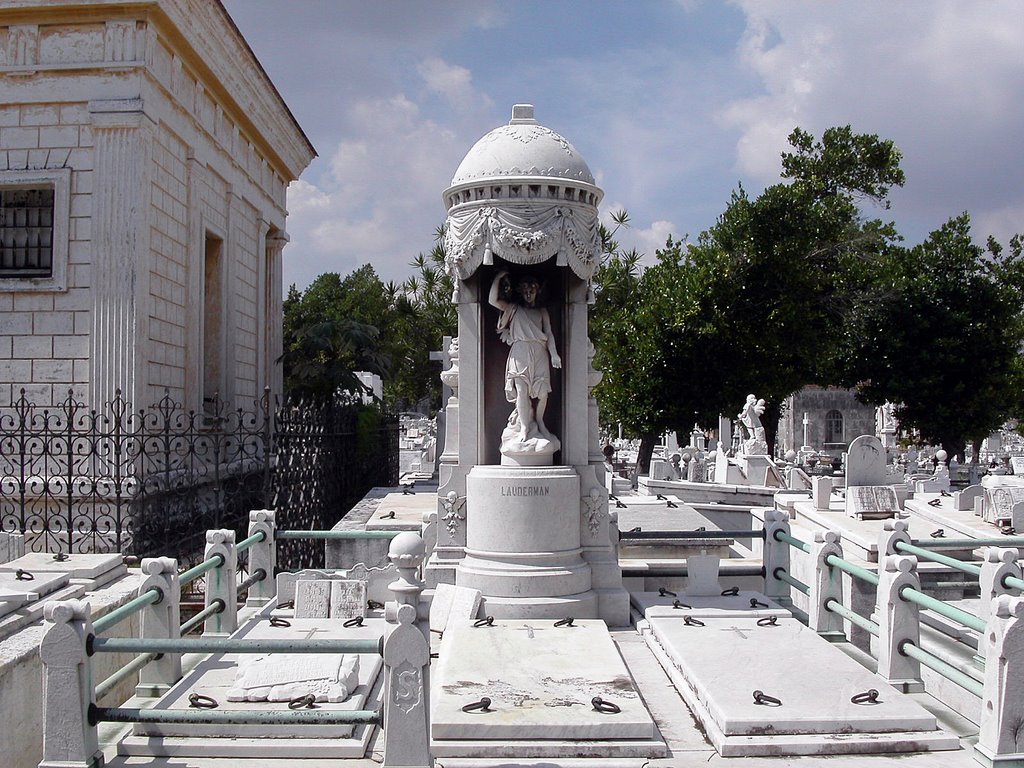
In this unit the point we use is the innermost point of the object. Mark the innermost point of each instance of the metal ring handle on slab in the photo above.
(389, 516)
(355, 621)
(566, 622)
(870, 696)
(61, 557)
(689, 621)
(760, 697)
(755, 603)
(286, 604)
(935, 503)
(23, 575)
(940, 533)
(487, 621)
(730, 592)
(303, 702)
(484, 705)
(277, 621)
(604, 707)
(680, 604)
(662, 592)
(768, 621)
(373, 605)
(198, 701)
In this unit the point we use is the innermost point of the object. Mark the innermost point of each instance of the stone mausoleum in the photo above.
(144, 161)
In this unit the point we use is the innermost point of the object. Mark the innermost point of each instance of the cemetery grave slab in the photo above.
(541, 680)
(718, 667)
(957, 523)
(653, 604)
(408, 512)
(15, 593)
(215, 675)
(77, 566)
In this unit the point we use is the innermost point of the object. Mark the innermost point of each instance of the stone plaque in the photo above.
(872, 501)
(1017, 465)
(312, 599)
(1002, 501)
(348, 599)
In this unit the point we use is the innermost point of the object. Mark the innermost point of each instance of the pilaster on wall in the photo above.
(118, 344)
(274, 342)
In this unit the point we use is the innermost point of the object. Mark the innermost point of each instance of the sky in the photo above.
(673, 104)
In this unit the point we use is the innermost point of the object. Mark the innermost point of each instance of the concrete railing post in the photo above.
(898, 623)
(69, 740)
(160, 620)
(1001, 733)
(892, 531)
(827, 584)
(406, 663)
(262, 554)
(997, 564)
(221, 583)
(775, 555)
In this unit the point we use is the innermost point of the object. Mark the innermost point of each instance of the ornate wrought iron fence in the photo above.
(153, 481)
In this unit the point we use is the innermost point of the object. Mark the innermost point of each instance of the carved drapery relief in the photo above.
(453, 504)
(529, 234)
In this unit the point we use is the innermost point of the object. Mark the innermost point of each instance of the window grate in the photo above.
(26, 232)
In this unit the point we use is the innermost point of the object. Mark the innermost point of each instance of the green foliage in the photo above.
(944, 340)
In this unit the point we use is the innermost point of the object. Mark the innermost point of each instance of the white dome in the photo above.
(522, 148)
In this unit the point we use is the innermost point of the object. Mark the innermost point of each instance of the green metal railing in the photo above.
(942, 543)
(782, 575)
(943, 667)
(187, 577)
(240, 717)
(149, 597)
(256, 538)
(128, 669)
(854, 570)
(96, 645)
(856, 619)
(943, 609)
(1012, 582)
(702, 534)
(803, 546)
(217, 606)
(935, 557)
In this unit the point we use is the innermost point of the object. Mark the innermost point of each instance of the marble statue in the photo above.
(750, 417)
(526, 328)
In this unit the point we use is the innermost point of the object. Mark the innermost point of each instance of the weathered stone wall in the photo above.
(816, 402)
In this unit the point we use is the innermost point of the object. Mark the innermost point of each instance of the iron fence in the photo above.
(152, 481)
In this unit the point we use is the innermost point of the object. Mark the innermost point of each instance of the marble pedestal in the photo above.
(523, 547)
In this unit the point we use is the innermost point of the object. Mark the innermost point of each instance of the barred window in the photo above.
(26, 232)
(834, 427)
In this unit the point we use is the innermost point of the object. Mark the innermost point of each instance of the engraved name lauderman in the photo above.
(525, 490)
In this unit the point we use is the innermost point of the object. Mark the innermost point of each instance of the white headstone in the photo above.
(287, 676)
(312, 599)
(865, 462)
(348, 599)
(451, 601)
(702, 575)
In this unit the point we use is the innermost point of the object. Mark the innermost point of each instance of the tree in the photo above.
(944, 342)
(753, 305)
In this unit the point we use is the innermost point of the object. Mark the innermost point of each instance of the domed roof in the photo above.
(522, 148)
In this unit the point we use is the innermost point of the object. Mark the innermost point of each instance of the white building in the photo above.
(144, 161)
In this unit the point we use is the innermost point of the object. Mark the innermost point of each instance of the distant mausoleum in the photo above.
(834, 418)
(144, 161)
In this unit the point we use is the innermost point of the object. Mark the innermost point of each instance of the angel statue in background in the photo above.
(526, 328)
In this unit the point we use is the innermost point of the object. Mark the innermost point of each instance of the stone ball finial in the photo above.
(941, 455)
(406, 547)
(790, 455)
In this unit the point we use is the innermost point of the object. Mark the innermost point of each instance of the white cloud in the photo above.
(452, 82)
(944, 79)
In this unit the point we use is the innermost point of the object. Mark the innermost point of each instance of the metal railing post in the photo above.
(69, 738)
(220, 583)
(163, 620)
(826, 585)
(898, 622)
(775, 555)
(262, 554)
(406, 663)
(1000, 737)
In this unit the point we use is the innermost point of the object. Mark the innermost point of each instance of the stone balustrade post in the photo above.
(69, 739)
(775, 556)
(997, 564)
(827, 584)
(160, 620)
(898, 622)
(407, 552)
(262, 554)
(221, 583)
(1001, 732)
(892, 531)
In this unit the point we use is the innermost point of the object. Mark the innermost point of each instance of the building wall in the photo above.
(138, 105)
(816, 402)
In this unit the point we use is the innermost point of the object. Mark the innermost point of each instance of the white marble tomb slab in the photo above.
(652, 604)
(452, 602)
(726, 660)
(215, 675)
(540, 679)
(76, 566)
(401, 512)
(872, 501)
